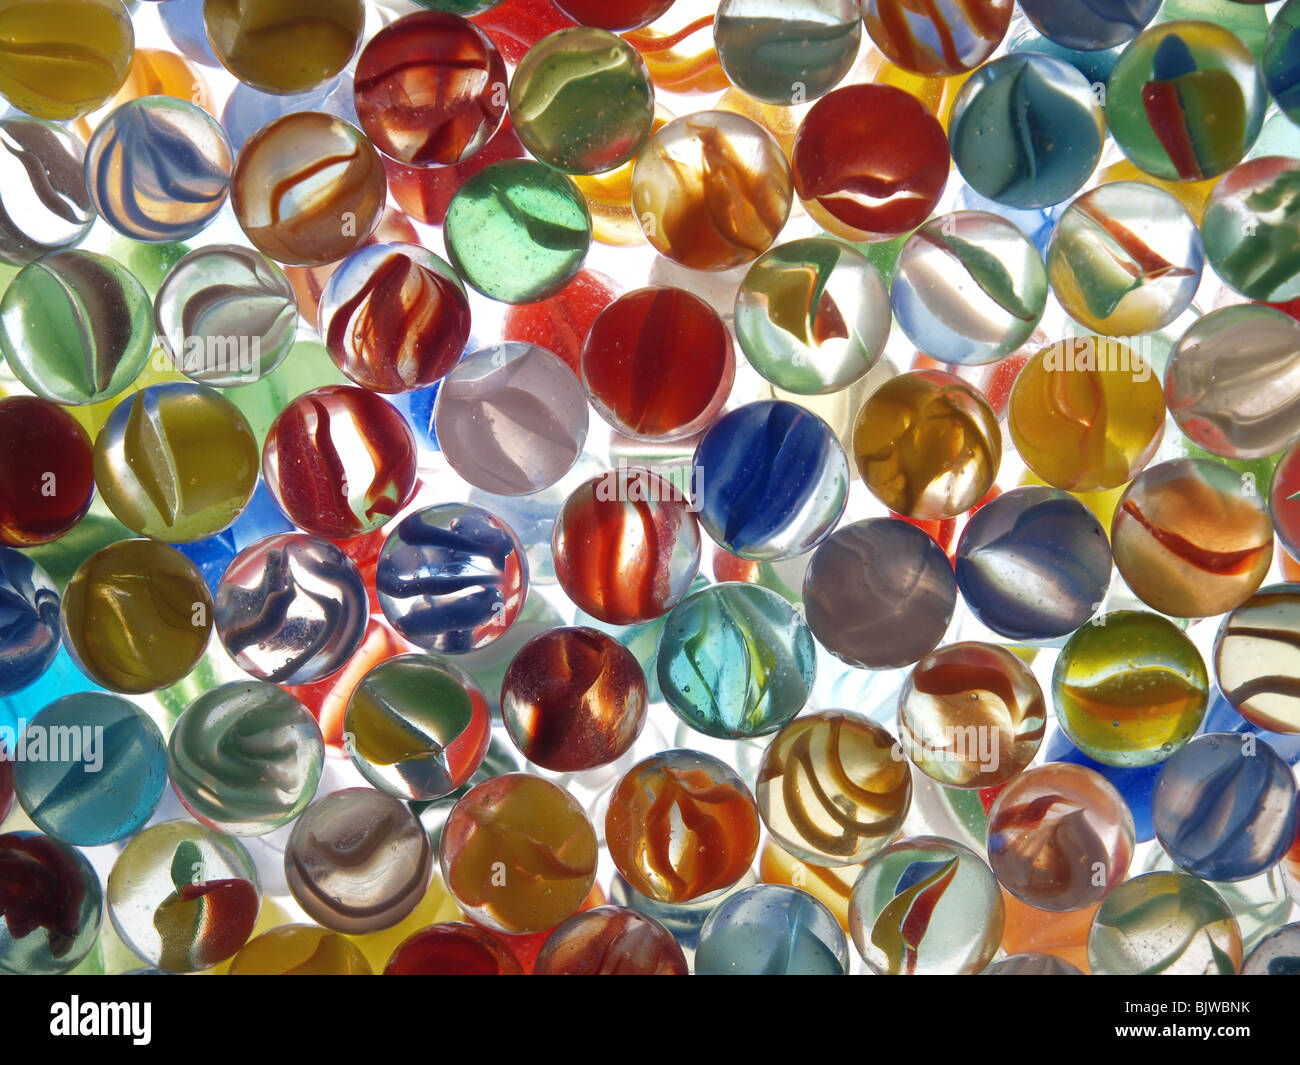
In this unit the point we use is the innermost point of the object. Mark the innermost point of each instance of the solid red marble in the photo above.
(315, 454)
(614, 15)
(430, 89)
(561, 324)
(47, 477)
(452, 949)
(870, 162)
(426, 194)
(658, 364)
(517, 25)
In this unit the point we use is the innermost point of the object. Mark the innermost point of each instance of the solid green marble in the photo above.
(517, 231)
(787, 53)
(736, 660)
(582, 101)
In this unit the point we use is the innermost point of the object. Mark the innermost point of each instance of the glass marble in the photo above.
(969, 288)
(339, 461)
(291, 608)
(176, 461)
(1224, 807)
(937, 40)
(1278, 954)
(582, 101)
(29, 621)
(357, 861)
(561, 323)
(245, 758)
(452, 578)
(1252, 229)
(1090, 25)
(1125, 258)
(869, 162)
(299, 950)
(812, 316)
(681, 825)
(783, 53)
(1033, 564)
(226, 316)
(183, 897)
(417, 727)
(658, 364)
(517, 231)
(971, 715)
(430, 89)
(50, 904)
(926, 906)
(1130, 689)
(158, 169)
(43, 446)
(1186, 100)
(44, 205)
(539, 833)
(1281, 60)
(1026, 130)
(879, 594)
(394, 317)
(1283, 499)
(574, 699)
(1192, 538)
(1231, 380)
(136, 617)
(1162, 924)
(76, 327)
(833, 788)
(453, 948)
(611, 941)
(63, 58)
(511, 419)
(692, 165)
(284, 46)
(735, 661)
(1254, 658)
(626, 546)
(927, 444)
(1032, 965)
(91, 768)
(770, 481)
(1060, 837)
(1086, 414)
(771, 930)
(308, 188)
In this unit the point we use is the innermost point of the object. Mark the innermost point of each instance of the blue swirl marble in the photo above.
(1225, 807)
(1026, 130)
(770, 481)
(29, 621)
(1033, 564)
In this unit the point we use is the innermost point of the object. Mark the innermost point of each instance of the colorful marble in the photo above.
(736, 661)
(517, 231)
(937, 40)
(971, 715)
(695, 163)
(29, 622)
(770, 481)
(136, 616)
(879, 594)
(1125, 258)
(1130, 689)
(1186, 100)
(1026, 130)
(511, 419)
(1033, 564)
(1192, 537)
(339, 461)
(51, 904)
(75, 327)
(394, 317)
(658, 364)
(1251, 229)
(926, 906)
(245, 758)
